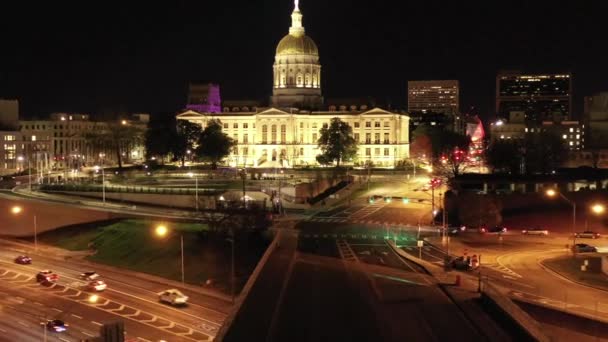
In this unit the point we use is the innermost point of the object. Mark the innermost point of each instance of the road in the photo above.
(321, 284)
(129, 298)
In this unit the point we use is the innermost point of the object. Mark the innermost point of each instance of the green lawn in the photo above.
(132, 244)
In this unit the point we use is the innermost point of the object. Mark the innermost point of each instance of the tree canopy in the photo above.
(504, 156)
(337, 143)
(213, 144)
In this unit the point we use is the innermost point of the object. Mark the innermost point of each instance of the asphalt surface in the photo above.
(318, 287)
(128, 297)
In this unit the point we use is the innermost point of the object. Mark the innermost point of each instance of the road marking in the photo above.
(2, 330)
(96, 323)
(77, 316)
(509, 277)
(22, 323)
(63, 339)
(133, 314)
(86, 333)
(117, 309)
(154, 318)
(56, 309)
(143, 339)
(40, 304)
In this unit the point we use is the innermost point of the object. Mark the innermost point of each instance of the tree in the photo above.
(160, 136)
(503, 156)
(120, 137)
(452, 149)
(336, 143)
(213, 144)
(187, 134)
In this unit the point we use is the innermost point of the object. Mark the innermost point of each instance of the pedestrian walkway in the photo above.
(367, 210)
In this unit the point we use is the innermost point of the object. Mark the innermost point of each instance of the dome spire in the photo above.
(296, 28)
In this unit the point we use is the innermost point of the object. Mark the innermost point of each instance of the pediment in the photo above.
(189, 114)
(273, 111)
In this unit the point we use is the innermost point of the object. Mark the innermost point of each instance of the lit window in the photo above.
(571, 129)
(377, 151)
(225, 125)
(565, 136)
(578, 136)
(235, 125)
(386, 152)
(526, 129)
(571, 143)
(386, 124)
(368, 151)
(33, 138)
(502, 137)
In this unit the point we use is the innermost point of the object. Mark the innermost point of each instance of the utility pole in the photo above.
(432, 203)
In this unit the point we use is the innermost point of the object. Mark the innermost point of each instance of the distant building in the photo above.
(10, 150)
(431, 119)
(512, 129)
(541, 97)
(204, 97)
(9, 114)
(595, 117)
(433, 96)
(571, 132)
(240, 106)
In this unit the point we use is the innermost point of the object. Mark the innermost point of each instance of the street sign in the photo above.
(420, 243)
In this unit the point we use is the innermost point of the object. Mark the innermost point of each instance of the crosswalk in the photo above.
(367, 210)
(378, 236)
(503, 269)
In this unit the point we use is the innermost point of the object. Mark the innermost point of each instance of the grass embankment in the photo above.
(133, 244)
(570, 268)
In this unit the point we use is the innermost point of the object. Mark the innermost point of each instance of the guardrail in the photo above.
(125, 189)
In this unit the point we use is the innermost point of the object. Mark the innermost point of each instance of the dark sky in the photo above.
(136, 56)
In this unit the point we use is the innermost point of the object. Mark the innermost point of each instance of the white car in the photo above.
(173, 297)
(97, 285)
(587, 234)
(90, 275)
(535, 231)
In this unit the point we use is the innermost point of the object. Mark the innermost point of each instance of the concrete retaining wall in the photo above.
(174, 201)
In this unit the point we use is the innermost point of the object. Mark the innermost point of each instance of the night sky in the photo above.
(135, 56)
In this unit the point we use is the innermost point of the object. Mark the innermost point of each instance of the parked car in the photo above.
(90, 275)
(46, 276)
(583, 248)
(535, 231)
(56, 325)
(463, 264)
(23, 260)
(388, 199)
(587, 234)
(173, 297)
(374, 198)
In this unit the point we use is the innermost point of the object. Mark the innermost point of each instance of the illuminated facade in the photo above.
(296, 69)
(286, 134)
(433, 96)
(541, 97)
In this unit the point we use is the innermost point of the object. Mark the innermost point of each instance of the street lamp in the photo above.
(162, 231)
(103, 178)
(16, 210)
(598, 208)
(195, 188)
(553, 193)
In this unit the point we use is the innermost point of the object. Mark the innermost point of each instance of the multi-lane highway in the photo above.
(129, 297)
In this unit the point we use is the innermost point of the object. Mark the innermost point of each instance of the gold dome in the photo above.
(297, 45)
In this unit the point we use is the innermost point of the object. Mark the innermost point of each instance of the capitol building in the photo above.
(285, 134)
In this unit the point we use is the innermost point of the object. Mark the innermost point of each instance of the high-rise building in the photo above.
(542, 97)
(204, 97)
(433, 96)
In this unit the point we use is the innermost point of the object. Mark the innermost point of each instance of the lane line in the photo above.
(56, 309)
(86, 333)
(37, 303)
(2, 330)
(80, 317)
(63, 339)
(96, 323)
(143, 339)
(23, 323)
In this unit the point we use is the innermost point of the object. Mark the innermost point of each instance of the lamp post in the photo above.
(195, 188)
(103, 178)
(162, 231)
(16, 210)
(231, 240)
(552, 193)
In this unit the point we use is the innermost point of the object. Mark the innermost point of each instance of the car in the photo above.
(388, 199)
(492, 229)
(463, 264)
(587, 234)
(23, 260)
(583, 248)
(96, 285)
(90, 275)
(56, 325)
(455, 230)
(46, 276)
(535, 231)
(173, 297)
(374, 198)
